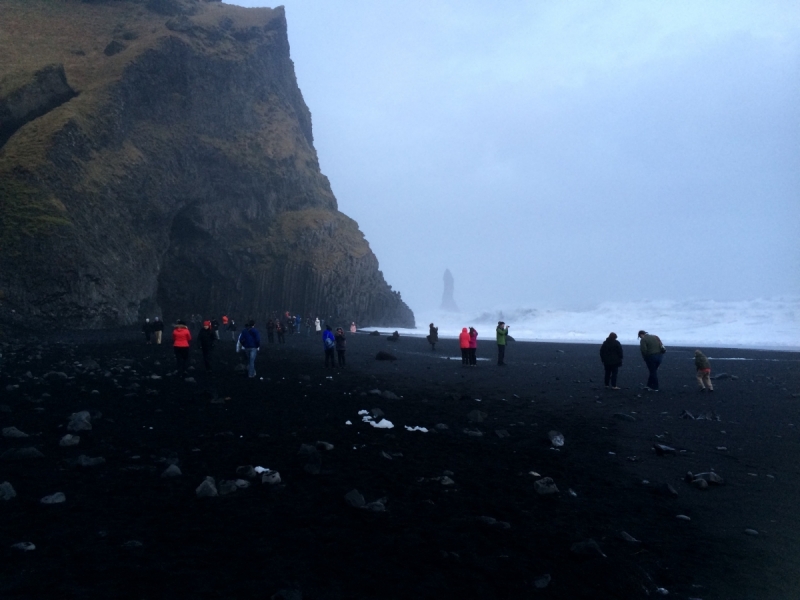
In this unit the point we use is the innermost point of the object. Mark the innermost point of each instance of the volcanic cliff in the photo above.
(157, 156)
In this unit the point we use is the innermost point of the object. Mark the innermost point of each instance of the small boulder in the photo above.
(86, 461)
(171, 471)
(21, 454)
(13, 432)
(69, 440)
(56, 498)
(545, 486)
(271, 477)
(587, 548)
(385, 356)
(80, 421)
(207, 489)
(476, 416)
(7, 491)
(355, 499)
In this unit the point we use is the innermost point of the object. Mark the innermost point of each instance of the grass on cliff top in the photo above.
(37, 33)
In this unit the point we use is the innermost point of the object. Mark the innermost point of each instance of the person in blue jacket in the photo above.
(250, 340)
(329, 344)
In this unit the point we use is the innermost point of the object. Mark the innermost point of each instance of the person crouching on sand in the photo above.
(181, 336)
(703, 371)
(611, 355)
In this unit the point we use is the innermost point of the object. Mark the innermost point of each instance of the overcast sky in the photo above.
(560, 154)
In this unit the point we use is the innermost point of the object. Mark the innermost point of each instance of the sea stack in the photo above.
(448, 302)
(157, 157)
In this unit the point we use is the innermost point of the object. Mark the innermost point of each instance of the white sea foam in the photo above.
(758, 324)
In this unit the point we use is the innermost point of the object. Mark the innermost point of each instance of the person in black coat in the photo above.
(147, 330)
(207, 339)
(433, 336)
(611, 355)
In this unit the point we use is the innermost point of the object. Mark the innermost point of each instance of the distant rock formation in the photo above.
(157, 156)
(448, 302)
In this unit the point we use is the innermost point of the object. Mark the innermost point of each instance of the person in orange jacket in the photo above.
(181, 337)
(463, 341)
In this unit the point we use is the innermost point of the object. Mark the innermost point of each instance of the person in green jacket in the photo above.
(703, 371)
(502, 335)
(652, 353)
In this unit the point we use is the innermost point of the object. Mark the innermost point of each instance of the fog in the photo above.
(561, 154)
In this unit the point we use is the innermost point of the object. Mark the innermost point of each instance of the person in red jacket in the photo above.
(463, 341)
(473, 347)
(180, 344)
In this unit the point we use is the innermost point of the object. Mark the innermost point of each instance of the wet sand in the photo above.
(124, 531)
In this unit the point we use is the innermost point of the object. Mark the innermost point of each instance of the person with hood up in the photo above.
(463, 342)
(207, 340)
(250, 340)
(433, 336)
(341, 346)
(158, 330)
(473, 347)
(232, 328)
(329, 345)
(703, 371)
(652, 353)
(147, 330)
(502, 336)
(181, 336)
(611, 356)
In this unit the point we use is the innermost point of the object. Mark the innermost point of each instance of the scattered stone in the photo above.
(171, 471)
(375, 333)
(132, 544)
(687, 415)
(751, 532)
(721, 376)
(271, 477)
(385, 356)
(587, 548)
(662, 449)
(542, 582)
(628, 537)
(314, 464)
(7, 491)
(473, 433)
(307, 450)
(24, 546)
(56, 498)
(13, 432)
(476, 416)
(324, 446)
(556, 438)
(386, 455)
(85, 461)
(710, 478)
(445, 480)
(80, 421)
(287, 595)
(247, 471)
(355, 499)
(69, 440)
(377, 413)
(207, 489)
(417, 428)
(190, 380)
(389, 395)
(683, 518)
(382, 424)
(624, 417)
(55, 375)
(21, 454)
(227, 487)
(666, 489)
(441, 426)
(700, 484)
(545, 486)
(377, 506)
(502, 433)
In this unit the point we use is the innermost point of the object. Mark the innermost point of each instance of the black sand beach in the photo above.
(126, 532)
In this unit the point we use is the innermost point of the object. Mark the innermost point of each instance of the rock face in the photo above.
(174, 174)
